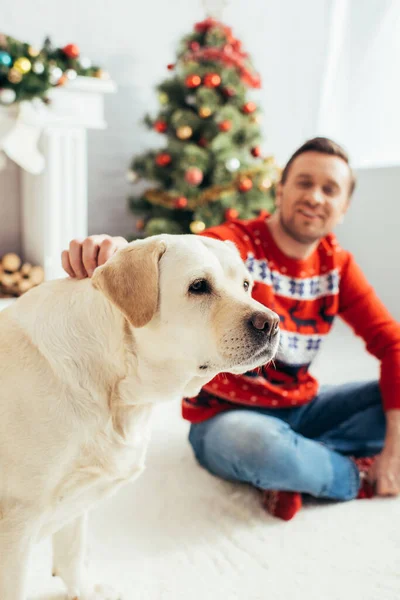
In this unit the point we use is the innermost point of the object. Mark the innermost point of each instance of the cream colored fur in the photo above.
(82, 364)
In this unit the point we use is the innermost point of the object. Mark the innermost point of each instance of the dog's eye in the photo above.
(200, 286)
(246, 285)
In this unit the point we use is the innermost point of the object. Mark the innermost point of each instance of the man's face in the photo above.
(314, 197)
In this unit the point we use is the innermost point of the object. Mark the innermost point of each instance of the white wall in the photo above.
(134, 41)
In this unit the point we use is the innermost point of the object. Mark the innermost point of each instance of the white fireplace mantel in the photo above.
(54, 204)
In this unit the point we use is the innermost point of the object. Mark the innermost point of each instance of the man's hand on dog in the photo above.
(83, 256)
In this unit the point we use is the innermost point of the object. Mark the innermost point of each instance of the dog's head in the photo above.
(190, 298)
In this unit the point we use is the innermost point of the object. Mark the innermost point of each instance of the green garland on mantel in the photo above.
(27, 72)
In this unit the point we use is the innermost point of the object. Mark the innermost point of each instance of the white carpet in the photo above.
(178, 533)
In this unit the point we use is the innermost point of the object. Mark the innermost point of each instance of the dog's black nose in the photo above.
(267, 323)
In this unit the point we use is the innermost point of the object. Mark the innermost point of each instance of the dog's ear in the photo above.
(130, 280)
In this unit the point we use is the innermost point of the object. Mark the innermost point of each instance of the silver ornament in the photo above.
(232, 164)
(38, 68)
(71, 74)
(85, 62)
(191, 100)
(7, 96)
(55, 75)
(132, 176)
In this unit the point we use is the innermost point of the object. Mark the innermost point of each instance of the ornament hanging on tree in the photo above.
(197, 226)
(229, 92)
(7, 96)
(184, 133)
(191, 99)
(163, 159)
(266, 184)
(55, 75)
(132, 176)
(232, 164)
(212, 80)
(225, 125)
(194, 176)
(203, 142)
(163, 98)
(160, 126)
(171, 67)
(38, 67)
(181, 202)
(14, 76)
(231, 213)
(71, 74)
(71, 50)
(245, 184)
(140, 224)
(194, 46)
(249, 108)
(256, 151)
(34, 52)
(193, 81)
(5, 59)
(205, 112)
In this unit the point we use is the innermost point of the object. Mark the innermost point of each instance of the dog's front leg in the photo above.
(69, 546)
(18, 531)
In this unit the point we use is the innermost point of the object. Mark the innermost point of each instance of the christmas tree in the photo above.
(211, 168)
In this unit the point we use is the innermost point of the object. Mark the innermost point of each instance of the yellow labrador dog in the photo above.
(82, 364)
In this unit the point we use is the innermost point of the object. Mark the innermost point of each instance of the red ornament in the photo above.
(194, 46)
(205, 25)
(256, 151)
(140, 224)
(163, 159)
(203, 142)
(225, 125)
(249, 108)
(181, 202)
(171, 67)
(193, 81)
(212, 80)
(194, 176)
(160, 126)
(71, 50)
(62, 81)
(231, 213)
(229, 92)
(245, 184)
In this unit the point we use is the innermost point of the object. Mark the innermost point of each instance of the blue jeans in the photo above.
(300, 449)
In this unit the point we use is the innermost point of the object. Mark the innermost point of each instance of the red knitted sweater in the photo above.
(307, 295)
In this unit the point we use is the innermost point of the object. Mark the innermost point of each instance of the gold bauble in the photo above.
(197, 226)
(33, 51)
(184, 132)
(265, 184)
(23, 65)
(163, 98)
(14, 76)
(204, 112)
(100, 74)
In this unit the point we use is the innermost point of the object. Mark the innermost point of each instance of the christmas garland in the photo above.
(27, 72)
(214, 193)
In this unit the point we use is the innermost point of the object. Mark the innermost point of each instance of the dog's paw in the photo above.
(100, 592)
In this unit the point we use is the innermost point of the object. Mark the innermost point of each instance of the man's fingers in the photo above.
(66, 265)
(107, 248)
(75, 259)
(90, 250)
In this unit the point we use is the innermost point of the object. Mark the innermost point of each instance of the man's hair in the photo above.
(323, 146)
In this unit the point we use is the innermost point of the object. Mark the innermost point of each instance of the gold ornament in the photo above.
(100, 74)
(14, 76)
(33, 51)
(163, 98)
(265, 184)
(256, 119)
(23, 65)
(197, 226)
(184, 132)
(204, 112)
